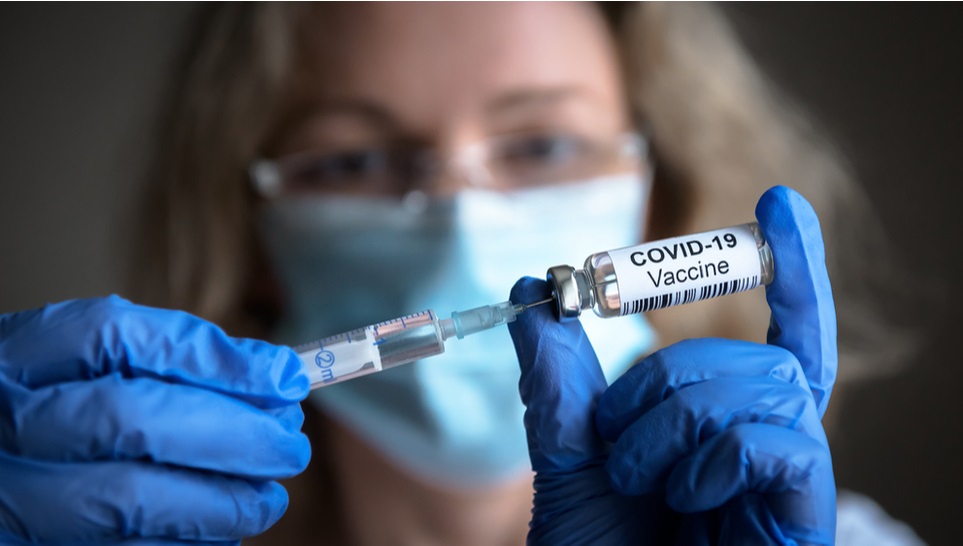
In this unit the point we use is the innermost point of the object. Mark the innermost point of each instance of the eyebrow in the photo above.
(505, 103)
(369, 111)
(524, 99)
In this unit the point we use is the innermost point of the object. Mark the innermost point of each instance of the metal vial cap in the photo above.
(570, 290)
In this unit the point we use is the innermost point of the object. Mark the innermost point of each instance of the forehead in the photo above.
(435, 60)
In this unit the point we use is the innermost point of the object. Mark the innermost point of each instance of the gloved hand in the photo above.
(708, 441)
(126, 424)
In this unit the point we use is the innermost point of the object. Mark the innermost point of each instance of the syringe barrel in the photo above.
(411, 343)
(371, 349)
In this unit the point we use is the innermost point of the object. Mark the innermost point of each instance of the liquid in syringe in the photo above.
(391, 343)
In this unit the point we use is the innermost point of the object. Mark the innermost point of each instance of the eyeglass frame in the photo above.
(266, 178)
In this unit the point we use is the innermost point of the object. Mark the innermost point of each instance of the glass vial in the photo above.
(659, 274)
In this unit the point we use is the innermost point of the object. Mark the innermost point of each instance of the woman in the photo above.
(380, 138)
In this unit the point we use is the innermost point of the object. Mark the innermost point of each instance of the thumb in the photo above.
(560, 384)
(803, 315)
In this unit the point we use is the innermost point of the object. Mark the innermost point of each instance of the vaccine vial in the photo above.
(664, 273)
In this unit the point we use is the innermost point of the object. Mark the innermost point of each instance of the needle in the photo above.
(537, 303)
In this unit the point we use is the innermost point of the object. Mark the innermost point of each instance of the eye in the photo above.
(535, 150)
(350, 169)
(536, 159)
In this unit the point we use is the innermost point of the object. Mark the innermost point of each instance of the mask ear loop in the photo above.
(265, 177)
(415, 201)
(643, 135)
(422, 172)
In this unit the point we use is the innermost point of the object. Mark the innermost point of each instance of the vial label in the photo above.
(340, 357)
(686, 269)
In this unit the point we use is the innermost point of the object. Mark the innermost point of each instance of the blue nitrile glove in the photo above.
(126, 424)
(708, 441)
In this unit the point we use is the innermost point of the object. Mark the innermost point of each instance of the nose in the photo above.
(465, 167)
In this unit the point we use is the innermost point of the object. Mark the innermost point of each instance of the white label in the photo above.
(686, 269)
(344, 356)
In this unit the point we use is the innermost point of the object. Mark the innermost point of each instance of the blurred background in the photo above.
(80, 86)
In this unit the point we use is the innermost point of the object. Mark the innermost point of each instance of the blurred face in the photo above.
(392, 98)
(378, 84)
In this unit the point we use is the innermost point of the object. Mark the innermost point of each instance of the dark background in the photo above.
(79, 85)
(886, 80)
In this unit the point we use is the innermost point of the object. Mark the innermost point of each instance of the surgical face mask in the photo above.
(454, 420)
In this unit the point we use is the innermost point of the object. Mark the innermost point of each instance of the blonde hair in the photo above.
(200, 250)
(720, 137)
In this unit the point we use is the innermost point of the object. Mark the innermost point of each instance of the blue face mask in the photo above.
(454, 420)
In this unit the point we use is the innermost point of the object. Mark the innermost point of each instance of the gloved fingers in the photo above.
(581, 508)
(647, 451)
(800, 296)
(748, 519)
(792, 470)
(665, 372)
(59, 503)
(112, 418)
(560, 382)
(82, 339)
(162, 542)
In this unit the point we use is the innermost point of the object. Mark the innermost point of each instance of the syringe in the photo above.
(617, 282)
(403, 340)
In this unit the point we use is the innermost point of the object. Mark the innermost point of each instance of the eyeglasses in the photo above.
(502, 163)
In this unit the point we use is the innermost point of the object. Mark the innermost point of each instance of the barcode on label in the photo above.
(688, 296)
